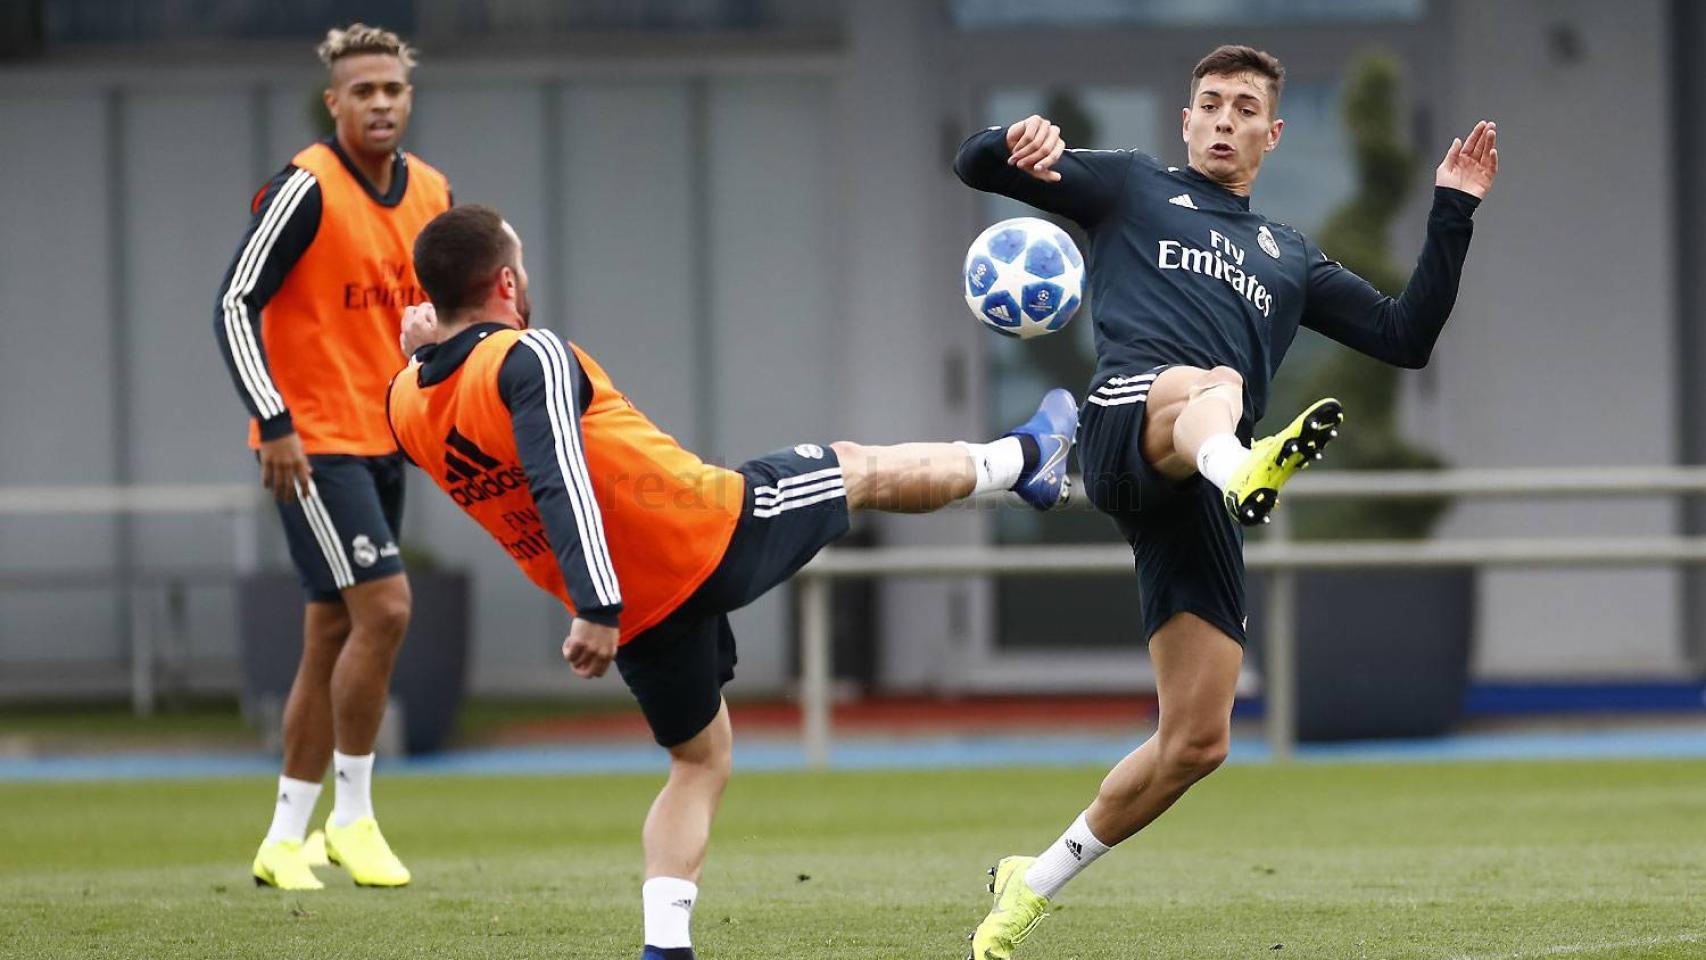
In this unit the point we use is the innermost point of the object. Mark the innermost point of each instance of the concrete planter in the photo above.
(1381, 653)
(426, 685)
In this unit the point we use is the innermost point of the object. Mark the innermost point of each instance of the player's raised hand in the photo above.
(590, 647)
(1033, 146)
(420, 327)
(1470, 165)
(284, 467)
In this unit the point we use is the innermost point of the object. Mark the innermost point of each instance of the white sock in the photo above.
(998, 463)
(353, 796)
(296, 799)
(1076, 849)
(669, 911)
(1219, 456)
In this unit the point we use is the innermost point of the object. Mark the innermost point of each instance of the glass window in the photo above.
(1002, 14)
(72, 22)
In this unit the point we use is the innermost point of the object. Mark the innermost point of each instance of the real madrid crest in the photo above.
(1265, 239)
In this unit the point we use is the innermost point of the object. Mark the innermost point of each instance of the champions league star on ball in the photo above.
(1024, 277)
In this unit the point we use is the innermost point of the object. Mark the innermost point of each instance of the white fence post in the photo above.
(815, 669)
(1279, 661)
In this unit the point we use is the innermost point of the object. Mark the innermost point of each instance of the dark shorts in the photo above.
(795, 506)
(345, 531)
(1189, 550)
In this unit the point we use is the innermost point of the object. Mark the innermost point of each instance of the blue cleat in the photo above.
(666, 953)
(1054, 428)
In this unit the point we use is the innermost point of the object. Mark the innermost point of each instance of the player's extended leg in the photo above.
(379, 616)
(283, 860)
(1191, 425)
(920, 477)
(1196, 676)
(906, 477)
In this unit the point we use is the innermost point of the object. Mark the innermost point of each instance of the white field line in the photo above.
(1579, 949)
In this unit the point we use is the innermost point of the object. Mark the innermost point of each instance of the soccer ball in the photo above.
(1024, 277)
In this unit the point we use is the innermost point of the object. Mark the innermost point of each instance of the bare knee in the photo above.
(325, 627)
(1221, 375)
(1195, 755)
(1220, 382)
(709, 755)
(847, 452)
(389, 619)
(706, 761)
(854, 460)
(712, 769)
(382, 609)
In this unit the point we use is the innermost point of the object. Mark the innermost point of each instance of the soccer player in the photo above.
(1196, 300)
(307, 322)
(648, 546)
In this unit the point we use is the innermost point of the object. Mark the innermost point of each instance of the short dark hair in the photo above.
(1232, 59)
(458, 254)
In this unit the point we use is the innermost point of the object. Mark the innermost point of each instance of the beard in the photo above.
(524, 307)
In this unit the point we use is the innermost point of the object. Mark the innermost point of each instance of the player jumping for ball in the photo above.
(1196, 301)
(648, 546)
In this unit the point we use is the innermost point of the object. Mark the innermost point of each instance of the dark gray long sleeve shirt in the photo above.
(1181, 271)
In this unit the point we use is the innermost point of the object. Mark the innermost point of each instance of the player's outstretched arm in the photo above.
(541, 383)
(1029, 162)
(1402, 331)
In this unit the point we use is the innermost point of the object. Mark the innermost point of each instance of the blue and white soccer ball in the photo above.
(1024, 277)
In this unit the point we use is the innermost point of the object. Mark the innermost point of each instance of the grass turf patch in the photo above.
(1508, 861)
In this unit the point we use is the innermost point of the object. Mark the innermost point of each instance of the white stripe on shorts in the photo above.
(327, 534)
(791, 503)
(1119, 401)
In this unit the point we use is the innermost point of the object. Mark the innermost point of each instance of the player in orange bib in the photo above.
(307, 323)
(647, 545)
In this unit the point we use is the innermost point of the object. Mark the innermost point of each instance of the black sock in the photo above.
(1033, 453)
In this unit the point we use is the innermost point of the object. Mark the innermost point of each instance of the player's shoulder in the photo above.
(318, 157)
(539, 347)
(290, 181)
(428, 172)
(1280, 226)
(1286, 236)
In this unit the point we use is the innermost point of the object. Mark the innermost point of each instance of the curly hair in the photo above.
(359, 38)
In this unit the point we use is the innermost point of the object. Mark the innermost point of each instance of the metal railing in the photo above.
(239, 503)
(1280, 556)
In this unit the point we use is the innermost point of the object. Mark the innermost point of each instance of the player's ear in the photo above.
(1185, 124)
(1274, 130)
(331, 100)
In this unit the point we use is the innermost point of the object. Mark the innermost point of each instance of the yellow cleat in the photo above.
(361, 849)
(281, 864)
(1255, 486)
(314, 849)
(1015, 912)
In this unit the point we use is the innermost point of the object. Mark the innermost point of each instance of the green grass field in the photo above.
(1581, 859)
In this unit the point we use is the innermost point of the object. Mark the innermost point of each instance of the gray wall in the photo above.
(761, 247)
(1560, 350)
(638, 251)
